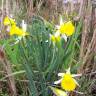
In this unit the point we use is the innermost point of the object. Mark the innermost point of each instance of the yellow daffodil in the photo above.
(58, 92)
(67, 81)
(65, 28)
(55, 38)
(9, 21)
(14, 30)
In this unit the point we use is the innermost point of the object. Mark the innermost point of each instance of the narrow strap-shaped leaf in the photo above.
(29, 73)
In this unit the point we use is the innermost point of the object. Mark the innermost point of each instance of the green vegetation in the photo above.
(32, 54)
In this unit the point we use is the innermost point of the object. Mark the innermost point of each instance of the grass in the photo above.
(35, 61)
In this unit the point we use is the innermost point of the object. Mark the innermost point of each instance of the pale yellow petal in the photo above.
(76, 75)
(58, 82)
(68, 71)
(58, 92)
(61, 20)
(76, 82)
(61, 74)
(65, 37)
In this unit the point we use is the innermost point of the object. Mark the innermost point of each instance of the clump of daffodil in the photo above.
(67, 81)
(66, 29)
(58, 92)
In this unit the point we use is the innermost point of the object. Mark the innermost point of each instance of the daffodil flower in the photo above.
(20, 32)
(67, 81)
(8, 21)
(58, 92)
(55, 37)
(13, 29)
(65, 28)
